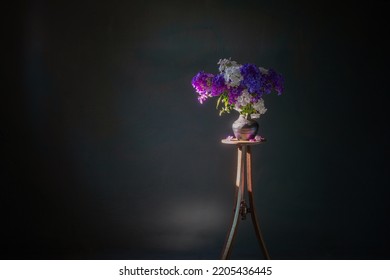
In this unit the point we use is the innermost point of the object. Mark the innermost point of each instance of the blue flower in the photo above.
(218, 85)
(252, 78)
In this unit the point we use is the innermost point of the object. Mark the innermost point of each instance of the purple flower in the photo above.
(252, 78)
(279, 84)
(202, 98)
(234, 93)
(218, 85)
(239, 87)
(275, 81)
(256, 97)
(202, 83)
(259, 138)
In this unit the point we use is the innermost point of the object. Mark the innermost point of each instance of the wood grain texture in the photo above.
(244, 170)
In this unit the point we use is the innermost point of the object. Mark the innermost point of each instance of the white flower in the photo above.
(233, 76)
(231, 72)
(224, 63)
(259, 106)
(263, 70)
(243, 100)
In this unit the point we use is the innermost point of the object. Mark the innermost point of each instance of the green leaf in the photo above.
(219, 101)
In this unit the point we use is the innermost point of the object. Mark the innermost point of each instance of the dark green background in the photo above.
(108, 155)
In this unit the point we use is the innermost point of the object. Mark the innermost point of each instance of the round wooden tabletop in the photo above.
(234, 141)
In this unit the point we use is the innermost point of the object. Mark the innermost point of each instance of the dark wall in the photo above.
(108, 155)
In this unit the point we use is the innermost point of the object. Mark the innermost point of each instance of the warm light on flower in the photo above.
(238, 87)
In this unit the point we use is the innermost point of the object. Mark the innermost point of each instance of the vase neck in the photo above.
(246, 116)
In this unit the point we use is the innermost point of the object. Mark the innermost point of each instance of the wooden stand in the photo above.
(244, 167)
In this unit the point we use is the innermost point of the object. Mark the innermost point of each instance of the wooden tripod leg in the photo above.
(252, 204)
(238, 197)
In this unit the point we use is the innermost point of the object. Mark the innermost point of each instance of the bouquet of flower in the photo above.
(238, 87)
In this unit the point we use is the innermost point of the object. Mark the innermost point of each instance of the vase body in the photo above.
(245, 128)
